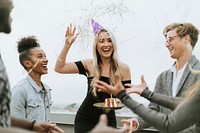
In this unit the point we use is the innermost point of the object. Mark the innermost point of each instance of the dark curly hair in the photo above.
(24, 47)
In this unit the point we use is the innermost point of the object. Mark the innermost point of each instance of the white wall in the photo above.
(137, 25)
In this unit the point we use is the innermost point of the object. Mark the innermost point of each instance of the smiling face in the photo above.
(104, 45)
(175, 44)
(37, 54)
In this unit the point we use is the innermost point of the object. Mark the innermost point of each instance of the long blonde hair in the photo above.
(114, 67)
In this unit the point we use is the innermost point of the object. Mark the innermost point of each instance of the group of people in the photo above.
(173, 104)
(104, 66)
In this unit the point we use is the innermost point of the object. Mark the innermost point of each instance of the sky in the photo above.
(136, 24)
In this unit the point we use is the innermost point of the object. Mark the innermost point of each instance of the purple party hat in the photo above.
(96, 27)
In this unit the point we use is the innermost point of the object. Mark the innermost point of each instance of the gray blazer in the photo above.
(164, 86)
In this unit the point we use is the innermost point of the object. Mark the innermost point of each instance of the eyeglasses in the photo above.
(170, 39)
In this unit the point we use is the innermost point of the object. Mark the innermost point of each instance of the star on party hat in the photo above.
(96, 27)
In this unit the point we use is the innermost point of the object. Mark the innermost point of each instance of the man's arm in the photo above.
(163, 100)
(14, 130)
(42, 127)
(21, 123)
(142, 124)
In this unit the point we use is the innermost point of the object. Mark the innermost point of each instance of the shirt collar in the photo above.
(173, 68)
(35, 86)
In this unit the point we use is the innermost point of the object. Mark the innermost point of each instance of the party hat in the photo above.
(96, 27)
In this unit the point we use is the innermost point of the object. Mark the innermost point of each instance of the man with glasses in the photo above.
(181, 39)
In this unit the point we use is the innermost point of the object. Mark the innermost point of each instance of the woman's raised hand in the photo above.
(70, 35)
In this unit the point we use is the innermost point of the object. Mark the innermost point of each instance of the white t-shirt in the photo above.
(176, 78)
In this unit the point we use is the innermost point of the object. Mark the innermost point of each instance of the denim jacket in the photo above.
(31, 102)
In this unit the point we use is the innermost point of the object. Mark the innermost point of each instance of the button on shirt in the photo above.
(29, 101)
(176, 79)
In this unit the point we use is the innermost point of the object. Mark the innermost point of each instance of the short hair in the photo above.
(24, 47)
(183, 29)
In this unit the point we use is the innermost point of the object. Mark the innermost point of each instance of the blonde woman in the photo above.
(104, 66)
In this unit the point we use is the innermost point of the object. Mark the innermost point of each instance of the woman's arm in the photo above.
(61, 65)
(126, 73)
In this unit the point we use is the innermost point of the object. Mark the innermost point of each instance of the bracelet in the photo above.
(32, 124)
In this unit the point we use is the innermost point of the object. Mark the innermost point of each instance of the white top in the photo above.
(176, 78)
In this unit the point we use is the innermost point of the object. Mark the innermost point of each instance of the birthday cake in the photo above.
(112, 102)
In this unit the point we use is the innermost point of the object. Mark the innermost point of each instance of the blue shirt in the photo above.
(29, 101)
